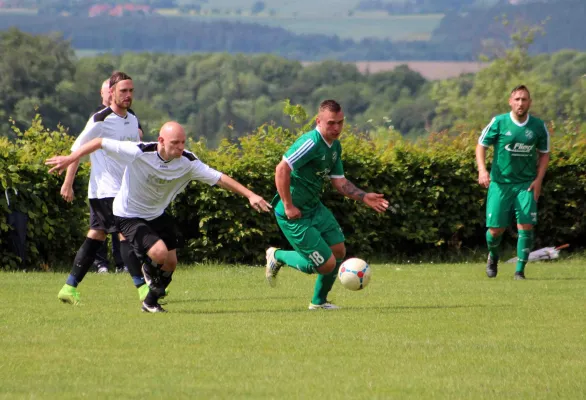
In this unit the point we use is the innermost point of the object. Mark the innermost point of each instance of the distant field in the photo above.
(432, 70)
(356, 27)
(323, 8)
(20, 11)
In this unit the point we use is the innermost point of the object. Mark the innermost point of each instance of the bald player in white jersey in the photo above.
(155, 174)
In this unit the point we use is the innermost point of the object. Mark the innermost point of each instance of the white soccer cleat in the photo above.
(326, 306)
(273, 267)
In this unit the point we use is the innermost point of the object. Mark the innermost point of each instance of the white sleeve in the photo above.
(204, 173)
(123, 151)
(91, 131)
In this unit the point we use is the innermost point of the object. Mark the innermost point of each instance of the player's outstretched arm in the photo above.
(257, 202)
(376, 201)
(60, 163)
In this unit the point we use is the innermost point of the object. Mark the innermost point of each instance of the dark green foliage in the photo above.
(55, 228)
(431, 184)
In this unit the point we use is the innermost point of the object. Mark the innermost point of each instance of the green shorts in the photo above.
(312, 234)
(507, 199)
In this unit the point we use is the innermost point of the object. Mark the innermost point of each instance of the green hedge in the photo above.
(55, 228)
(432, 185)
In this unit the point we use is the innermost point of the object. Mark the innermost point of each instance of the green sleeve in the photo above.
(489, 134)
(300, 152)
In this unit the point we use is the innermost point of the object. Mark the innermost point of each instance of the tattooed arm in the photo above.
(348, 189)
(375, 201)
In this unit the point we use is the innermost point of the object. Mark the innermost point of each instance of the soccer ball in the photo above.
(354, 274)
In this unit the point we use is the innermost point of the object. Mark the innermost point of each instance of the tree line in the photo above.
(184, 35)
(459, 37)
(221, 96)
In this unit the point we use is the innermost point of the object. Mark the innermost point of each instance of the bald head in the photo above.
(171, 140)
(170, 129)
(105, 93)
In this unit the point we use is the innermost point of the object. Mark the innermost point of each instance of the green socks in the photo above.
(324, 284)
(493, 244)
(524, 246)
(294, 260)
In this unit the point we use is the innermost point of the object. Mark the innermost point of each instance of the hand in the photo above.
(60, 163)
(535, 187)
(67, 193)
(259, 204)
(292, 212)
(376, 201)
(484, 178)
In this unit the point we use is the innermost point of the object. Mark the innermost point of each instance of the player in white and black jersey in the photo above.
(106, 98)
(115, 123)
(155, 174)
(101, 262)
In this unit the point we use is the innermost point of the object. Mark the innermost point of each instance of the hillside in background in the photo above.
(226, 96)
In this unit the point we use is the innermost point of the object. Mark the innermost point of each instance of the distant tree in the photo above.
(257, 7)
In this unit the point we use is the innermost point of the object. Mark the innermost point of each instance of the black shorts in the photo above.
(101, 216)
(143, 234)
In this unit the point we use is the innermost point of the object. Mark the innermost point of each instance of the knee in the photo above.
(170, 265)
(328, 266)
(158, 254)
(496, 232)
(339, 252)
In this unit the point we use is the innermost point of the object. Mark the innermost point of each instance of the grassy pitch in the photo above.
(421, 331)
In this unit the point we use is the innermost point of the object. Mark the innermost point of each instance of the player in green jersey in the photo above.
(310, 227)
(521, 156)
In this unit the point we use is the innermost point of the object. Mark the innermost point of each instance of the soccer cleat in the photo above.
(152, 309)
(144, 290)
(492, 266)
(103, 270)
(519, 276)
(325, 306)
(69, 294)
(273, 267)
(122, 270)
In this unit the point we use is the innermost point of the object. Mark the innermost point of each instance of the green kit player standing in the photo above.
(309, 226)
(521, 156)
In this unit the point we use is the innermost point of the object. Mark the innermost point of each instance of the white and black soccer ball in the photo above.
(354, 274)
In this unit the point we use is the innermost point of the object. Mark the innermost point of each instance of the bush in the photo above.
(55, 228)
(431, 184)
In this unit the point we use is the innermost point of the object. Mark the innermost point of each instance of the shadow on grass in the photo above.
(557, 279)
(225, 299)
(343, 309)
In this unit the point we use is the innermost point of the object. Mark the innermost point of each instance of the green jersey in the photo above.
(312, 161)
(515, 147)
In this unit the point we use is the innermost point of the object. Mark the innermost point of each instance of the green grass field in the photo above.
(421, 332)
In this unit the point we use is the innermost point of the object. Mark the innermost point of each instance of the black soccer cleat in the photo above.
(152, 309)
(520, 276)
(492, 266)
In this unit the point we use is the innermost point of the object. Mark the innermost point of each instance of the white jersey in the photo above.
(150, 183)
(106, 173)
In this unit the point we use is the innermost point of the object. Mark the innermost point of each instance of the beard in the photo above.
(522, 113)
(120, 103)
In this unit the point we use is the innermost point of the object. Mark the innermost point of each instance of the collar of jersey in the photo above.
(516, 122)
(322, 138)
(162, 159)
